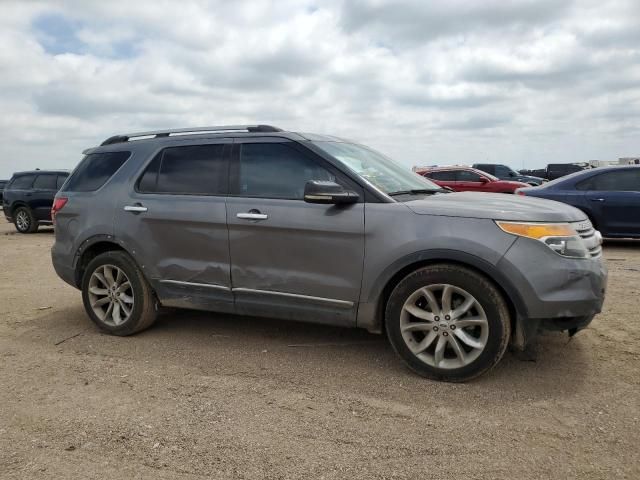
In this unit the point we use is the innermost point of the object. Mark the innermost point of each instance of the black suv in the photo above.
(3, 183)
(506, 173)
(28, 198)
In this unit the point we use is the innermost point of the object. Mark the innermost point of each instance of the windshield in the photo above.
(382, 172)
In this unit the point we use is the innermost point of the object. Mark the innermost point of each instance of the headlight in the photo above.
(559, 237)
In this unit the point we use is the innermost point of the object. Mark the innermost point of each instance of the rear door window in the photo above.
(620, 181)
(46, 181)
(22, 182)
(94, 171)
(188, 170)
(467, 176)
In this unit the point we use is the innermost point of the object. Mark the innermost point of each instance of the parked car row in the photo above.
(466, 179)
(28, 197)
(507, 173)
(256, 220)
(554, 170)
(608, 196)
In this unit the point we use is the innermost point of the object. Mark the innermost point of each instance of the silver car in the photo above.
(253, 220)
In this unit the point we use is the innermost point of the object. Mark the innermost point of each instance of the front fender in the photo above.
(371, 312)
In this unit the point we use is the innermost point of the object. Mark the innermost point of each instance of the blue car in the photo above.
(610, 196)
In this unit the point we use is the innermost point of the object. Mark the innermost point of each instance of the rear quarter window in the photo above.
(95, 170)
(23, 181)
(60, 181)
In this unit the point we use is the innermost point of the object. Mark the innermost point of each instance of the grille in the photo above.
(590, 236)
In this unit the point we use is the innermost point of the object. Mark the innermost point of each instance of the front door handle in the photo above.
(135, 208)
(252, 215)
(597, 199)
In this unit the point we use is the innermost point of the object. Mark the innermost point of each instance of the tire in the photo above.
(128, 309)
(468, 342)
(24, 220)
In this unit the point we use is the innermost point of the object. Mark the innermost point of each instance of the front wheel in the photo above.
(116, 295)
(448, 322)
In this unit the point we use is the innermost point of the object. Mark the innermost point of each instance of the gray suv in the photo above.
(254, 220)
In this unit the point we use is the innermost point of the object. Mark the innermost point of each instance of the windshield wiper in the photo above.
(422, 191)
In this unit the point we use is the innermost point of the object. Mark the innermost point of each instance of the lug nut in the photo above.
(447, 317)
(437, 319)
(453, 327)
(435, 329)
(446, 334)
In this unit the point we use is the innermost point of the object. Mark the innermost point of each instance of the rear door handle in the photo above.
(597, 199)
(135, 208)
(252, 216)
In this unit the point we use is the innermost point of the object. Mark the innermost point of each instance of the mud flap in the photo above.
(524, 333)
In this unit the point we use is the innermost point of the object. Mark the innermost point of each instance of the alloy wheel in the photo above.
(111, 295)
(23, 221)
(444, 326)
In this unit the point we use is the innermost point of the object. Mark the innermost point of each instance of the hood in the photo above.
(496, 206)
(530, 178)
(514, 183)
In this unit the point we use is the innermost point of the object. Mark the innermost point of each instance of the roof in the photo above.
(450, 167)
(26, 172)
(216, 131)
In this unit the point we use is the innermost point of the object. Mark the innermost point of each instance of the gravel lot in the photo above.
(204, 395)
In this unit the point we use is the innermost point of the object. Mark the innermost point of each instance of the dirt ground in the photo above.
(215, 396)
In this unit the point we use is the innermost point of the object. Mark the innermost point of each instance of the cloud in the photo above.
(525, 82)
(411, 22)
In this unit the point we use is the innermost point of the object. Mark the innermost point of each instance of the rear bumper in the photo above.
(63, 269)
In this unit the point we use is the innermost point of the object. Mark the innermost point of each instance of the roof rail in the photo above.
(186, 131)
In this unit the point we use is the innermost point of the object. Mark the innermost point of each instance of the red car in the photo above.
(467, 179)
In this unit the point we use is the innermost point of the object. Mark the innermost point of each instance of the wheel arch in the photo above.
(91, 248)
(16, 205)
(372, 318)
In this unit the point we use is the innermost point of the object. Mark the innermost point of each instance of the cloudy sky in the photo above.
(427, 82)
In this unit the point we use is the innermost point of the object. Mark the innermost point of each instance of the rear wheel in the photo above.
(24, 220)
(448, 322)
(116, 295)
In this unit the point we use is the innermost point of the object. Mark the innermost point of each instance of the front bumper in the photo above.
(558, 291)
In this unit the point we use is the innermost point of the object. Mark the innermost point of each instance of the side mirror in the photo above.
(484, 180)
(330, 193)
